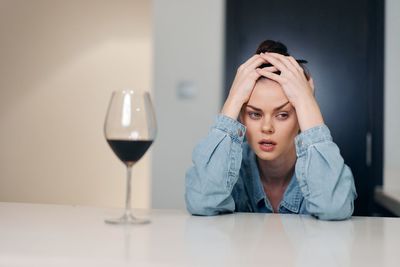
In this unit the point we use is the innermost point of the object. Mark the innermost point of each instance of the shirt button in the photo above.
(240, 133)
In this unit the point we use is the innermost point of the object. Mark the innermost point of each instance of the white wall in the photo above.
(59, 62)
(188, 37)
(392, 96)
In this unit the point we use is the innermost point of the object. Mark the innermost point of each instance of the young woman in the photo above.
(287, 163)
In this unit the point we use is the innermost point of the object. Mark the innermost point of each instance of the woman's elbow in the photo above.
(200, 211)
(336, 215)
(202, 207)
(336, 211)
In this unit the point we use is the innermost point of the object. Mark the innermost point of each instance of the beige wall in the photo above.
(59, 62)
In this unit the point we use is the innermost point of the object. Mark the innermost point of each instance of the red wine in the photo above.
(129, 151)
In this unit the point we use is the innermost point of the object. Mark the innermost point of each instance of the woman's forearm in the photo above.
(215, 170)
(326, 182)
(308, 113)
(232, 108)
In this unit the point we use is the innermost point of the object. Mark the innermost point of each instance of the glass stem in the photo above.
(128, 190)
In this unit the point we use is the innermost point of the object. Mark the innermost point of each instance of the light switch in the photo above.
(186, 90)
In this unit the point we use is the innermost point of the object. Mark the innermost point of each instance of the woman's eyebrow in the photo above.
(252, 107)
(281, 106)
(259, 109)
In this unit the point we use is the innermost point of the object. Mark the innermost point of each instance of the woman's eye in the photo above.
(282, 116)
(254, 115)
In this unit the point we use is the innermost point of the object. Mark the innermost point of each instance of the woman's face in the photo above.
(271, 121)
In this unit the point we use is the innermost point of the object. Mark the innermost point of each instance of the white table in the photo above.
(55, 235)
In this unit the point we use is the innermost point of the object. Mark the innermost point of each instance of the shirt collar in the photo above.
(255, 188)
(292, 197)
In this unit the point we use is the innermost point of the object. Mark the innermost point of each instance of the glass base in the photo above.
(127, 219)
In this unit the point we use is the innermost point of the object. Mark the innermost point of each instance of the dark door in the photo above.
(342, 41)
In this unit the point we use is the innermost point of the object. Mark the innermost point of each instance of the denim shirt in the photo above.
(225, 178)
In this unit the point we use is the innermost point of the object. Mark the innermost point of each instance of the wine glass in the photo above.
(130, 128)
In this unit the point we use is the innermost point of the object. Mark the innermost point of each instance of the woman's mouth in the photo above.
(267, 145)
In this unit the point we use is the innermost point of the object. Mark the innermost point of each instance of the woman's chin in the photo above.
(266, 155)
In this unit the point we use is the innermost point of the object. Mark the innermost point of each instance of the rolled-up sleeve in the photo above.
(326, 182)
(215, 170)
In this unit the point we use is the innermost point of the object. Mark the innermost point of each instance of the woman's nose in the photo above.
(267, 126)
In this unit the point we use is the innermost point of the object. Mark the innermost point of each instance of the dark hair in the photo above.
(279, 48)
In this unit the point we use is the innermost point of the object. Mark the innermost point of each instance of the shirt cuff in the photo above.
(312, 136)
(232, 127)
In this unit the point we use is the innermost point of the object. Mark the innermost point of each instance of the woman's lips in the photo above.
(267, 145)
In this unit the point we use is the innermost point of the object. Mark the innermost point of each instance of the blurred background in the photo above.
(60, 60)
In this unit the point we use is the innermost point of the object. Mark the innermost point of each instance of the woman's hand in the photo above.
(292, 78)
(243, 85)
(299, 91)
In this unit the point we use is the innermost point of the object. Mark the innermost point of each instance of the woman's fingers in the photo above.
(274, 61)
(270, 69)
(255, 61)
(311, 82)
(290, 63)
(296, 64)
(271, 75)
(285, 60)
